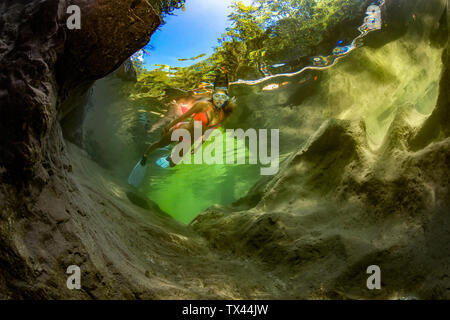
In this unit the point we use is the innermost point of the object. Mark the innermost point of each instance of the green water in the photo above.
(188, 189)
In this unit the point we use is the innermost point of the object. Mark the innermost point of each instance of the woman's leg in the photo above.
(189, 127)
(194, 149)
(165, 141)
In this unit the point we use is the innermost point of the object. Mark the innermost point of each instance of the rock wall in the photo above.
(353, 197)
(43, 64)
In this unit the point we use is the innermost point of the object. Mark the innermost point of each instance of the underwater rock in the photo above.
(342, 203)
(110, 33)
(42, 65)
(436, 126)
(338, 207)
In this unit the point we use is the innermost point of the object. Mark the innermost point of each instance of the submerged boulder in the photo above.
(368, 187)
(43, 64)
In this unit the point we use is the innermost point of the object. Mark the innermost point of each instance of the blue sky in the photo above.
(190, 33)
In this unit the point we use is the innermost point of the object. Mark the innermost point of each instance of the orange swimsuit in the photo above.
(204, 119)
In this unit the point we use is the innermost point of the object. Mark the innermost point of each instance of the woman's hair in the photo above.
(221, 81)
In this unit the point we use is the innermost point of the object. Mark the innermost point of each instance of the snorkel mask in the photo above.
(220, 99)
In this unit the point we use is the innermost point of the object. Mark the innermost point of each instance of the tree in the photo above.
(265, 33)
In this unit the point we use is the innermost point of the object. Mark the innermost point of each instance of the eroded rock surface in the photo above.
(42, 63)
(350, 198)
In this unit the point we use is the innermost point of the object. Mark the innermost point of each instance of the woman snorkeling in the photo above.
(210, 112)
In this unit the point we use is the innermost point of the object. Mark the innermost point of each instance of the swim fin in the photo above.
(137, 175)
(163, 162)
